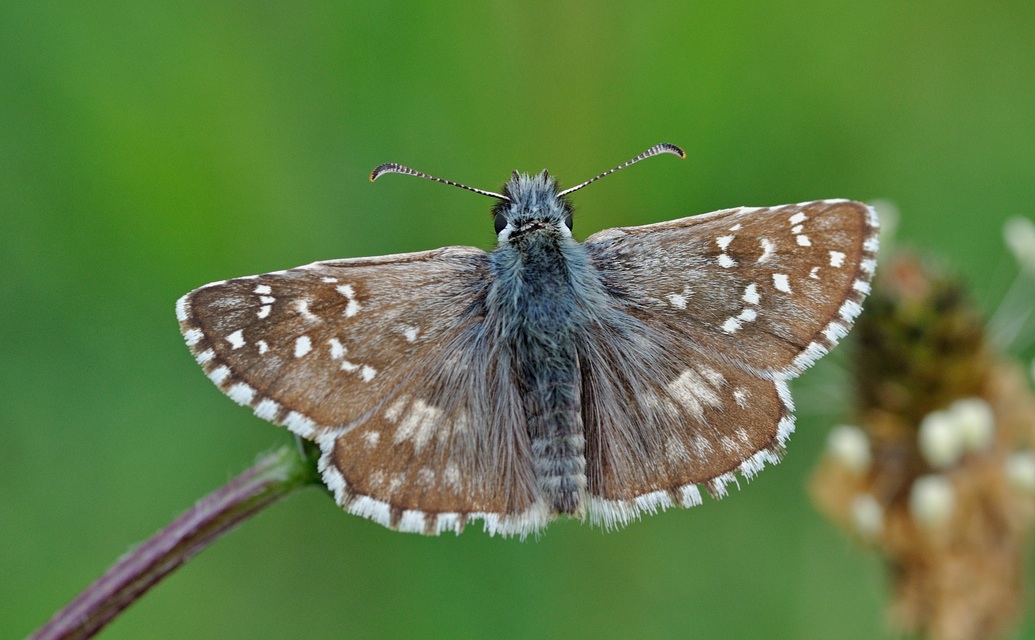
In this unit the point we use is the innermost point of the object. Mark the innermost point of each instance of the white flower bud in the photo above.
(1020, 469)
(975, 422)
(932, 500)
(850, 447)
(868, 515)
(940, 440)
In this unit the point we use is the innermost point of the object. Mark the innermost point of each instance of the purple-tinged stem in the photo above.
(274, 476)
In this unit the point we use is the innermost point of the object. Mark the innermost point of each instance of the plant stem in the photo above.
(274, 476)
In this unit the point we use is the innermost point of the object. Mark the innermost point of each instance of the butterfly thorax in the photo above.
(542, 296)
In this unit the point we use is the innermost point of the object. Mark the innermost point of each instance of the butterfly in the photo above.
(604, 379)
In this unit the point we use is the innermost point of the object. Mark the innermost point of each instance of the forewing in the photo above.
(771, 289)
(388, 364)
(662, 417)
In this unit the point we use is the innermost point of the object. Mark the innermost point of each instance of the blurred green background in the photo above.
(147, 148)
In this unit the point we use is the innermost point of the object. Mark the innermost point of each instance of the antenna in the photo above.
(657, 149)
(394, 167)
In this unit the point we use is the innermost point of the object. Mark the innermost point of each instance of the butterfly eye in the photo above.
(501, 223)
(568, 221)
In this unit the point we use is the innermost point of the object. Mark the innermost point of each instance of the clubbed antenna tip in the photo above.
(657, 149)
(394, 167)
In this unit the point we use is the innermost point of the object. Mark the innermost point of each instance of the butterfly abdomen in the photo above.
(548, 383)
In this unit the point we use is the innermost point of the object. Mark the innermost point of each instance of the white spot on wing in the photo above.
(300, 424)
(677, 300)
(218, 375)
(447, 521)
(367, 507)
(814, 273)
(395, 409)
(836, 258)
(352, 308)
(192, 336)
(740, 397)
(367, 373)
(303, 345)
(748, 315)
(798, 218)
(731, 325)
(412, 521)
(337, 350)
(267, 299)
(418, 424)
(263, 289)
(236, 339)
(715, 378)
(692, 391)
(263, 347)
(849, 310)
(803, 241)
(726, 262)
(751, 294)
(267, 409)
(302, 306)
(181, 309)
(264, 310)
(724, 242)
(768, 248)
(781, 282)
(451, 476)
(835, 331)
(241, 393)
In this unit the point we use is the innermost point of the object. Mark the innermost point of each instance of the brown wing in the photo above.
(386, 363)
(662, 417)
(685, 382)
(771, 288)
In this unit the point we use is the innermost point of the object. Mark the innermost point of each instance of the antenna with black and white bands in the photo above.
(657, 149)
(394, 167)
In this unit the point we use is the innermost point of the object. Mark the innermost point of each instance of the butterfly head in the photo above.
(533, 206)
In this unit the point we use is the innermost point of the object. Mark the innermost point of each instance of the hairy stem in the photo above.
(274, 476)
